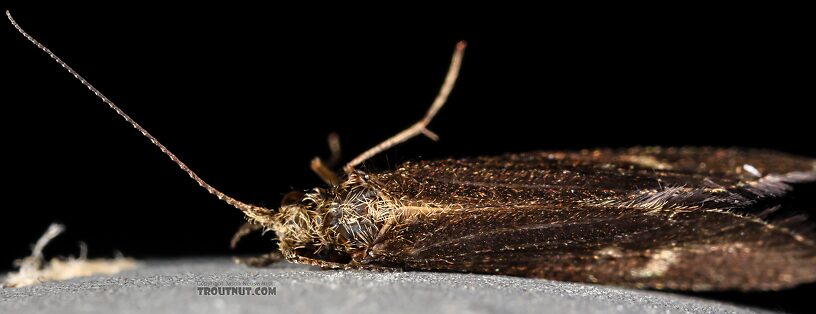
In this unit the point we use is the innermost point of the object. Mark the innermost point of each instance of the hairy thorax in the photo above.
(336, 225)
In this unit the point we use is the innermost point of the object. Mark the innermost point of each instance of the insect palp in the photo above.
(323, 170)
(335, 149)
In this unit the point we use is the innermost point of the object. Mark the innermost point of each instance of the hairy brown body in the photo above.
(676, 218)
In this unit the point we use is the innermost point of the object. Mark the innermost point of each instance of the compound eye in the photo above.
(292, 198)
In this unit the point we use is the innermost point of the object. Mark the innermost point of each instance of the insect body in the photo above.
(591, 216)
(676, 218)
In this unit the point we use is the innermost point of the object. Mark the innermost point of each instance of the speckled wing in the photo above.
(665, 218)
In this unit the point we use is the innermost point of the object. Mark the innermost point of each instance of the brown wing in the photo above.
(685, 218)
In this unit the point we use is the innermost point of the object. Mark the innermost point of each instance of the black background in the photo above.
(246, 98)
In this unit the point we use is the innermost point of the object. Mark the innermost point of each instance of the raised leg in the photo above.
(420, 127)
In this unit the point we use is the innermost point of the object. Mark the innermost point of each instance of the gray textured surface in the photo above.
(169, 286)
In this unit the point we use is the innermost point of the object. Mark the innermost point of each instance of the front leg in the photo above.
(259, 261)
(325, 265)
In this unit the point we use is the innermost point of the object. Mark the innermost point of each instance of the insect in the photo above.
(664, 218)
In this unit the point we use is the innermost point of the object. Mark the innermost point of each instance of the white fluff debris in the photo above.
(33, 269)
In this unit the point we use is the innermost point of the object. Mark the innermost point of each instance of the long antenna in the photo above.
(257, 213)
